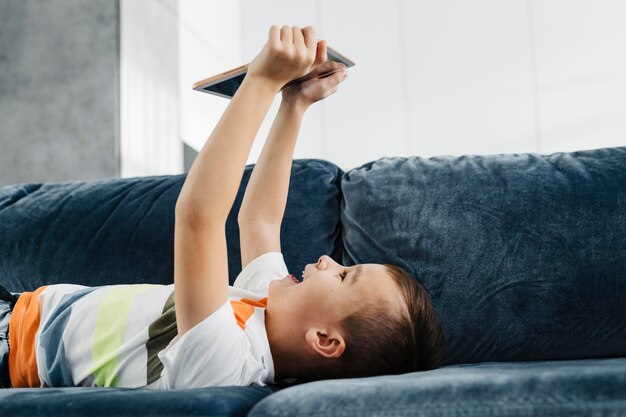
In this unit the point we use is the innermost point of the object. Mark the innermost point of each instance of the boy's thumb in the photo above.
(321, 55)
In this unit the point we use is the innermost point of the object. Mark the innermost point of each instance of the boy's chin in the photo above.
(280, 285)
(288, 281)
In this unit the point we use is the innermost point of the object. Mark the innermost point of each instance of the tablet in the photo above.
(227, 83)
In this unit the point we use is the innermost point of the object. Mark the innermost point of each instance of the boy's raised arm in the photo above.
(207, 196)
(263, 205)
(266, 194)
(265, 199)
(200, 253)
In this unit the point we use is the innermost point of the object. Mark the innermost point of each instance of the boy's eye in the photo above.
(343, 274)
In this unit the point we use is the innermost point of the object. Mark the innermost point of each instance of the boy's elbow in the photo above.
(196, 214)
(185, 210)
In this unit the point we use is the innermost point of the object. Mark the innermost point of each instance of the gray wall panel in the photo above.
(59, 88)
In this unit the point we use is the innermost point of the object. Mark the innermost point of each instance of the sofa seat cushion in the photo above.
(130, 402)
(524, 255)
(121, 231)
(571, 388)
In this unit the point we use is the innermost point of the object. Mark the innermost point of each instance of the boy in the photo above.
(268, 327)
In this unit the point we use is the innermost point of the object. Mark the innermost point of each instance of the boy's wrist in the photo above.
(294, 104)
(262, 83)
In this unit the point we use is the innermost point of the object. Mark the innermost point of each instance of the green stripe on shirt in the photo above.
(108, 336)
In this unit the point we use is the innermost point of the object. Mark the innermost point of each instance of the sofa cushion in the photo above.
(130, 402)
(121, 231)
(524, 255)
(575, 388)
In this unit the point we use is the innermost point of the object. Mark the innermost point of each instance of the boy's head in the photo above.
(347, 322)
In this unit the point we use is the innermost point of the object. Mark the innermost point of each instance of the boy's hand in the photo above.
(317, 88)
(290, 52)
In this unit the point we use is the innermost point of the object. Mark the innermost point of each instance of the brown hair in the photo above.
(384, 340)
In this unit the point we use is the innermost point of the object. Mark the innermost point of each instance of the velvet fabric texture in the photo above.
(573, 388)
(130, 402)
(524, 255)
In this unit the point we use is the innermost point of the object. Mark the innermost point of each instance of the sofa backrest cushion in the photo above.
(121, 231)
(524, 255)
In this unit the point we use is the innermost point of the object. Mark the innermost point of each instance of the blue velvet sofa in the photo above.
(524, 256)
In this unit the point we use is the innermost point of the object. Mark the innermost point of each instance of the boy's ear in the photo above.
(329, 344)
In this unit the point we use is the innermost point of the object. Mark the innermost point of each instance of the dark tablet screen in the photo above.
(228, 87)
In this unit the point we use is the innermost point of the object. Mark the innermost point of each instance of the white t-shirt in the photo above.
(216, 352)
(126, 335)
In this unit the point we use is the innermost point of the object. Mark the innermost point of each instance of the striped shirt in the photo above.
(126, 336)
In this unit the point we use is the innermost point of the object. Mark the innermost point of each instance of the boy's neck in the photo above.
(282, 347)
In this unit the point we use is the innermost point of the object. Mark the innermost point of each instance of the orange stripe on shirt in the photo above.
(23, 327)
(260, 303)
(244, 308)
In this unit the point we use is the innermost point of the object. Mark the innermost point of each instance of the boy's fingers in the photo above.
(321, 69)
(274, 36)
(335, 78)
(310, 39)
(286, 36)
(321, 56)
(327, 66)
(298, 37)
(340, 76)
(332, 66)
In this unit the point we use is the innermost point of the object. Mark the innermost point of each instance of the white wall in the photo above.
(449, 77)
(210, 42)
(149, 104)
(581, 71)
